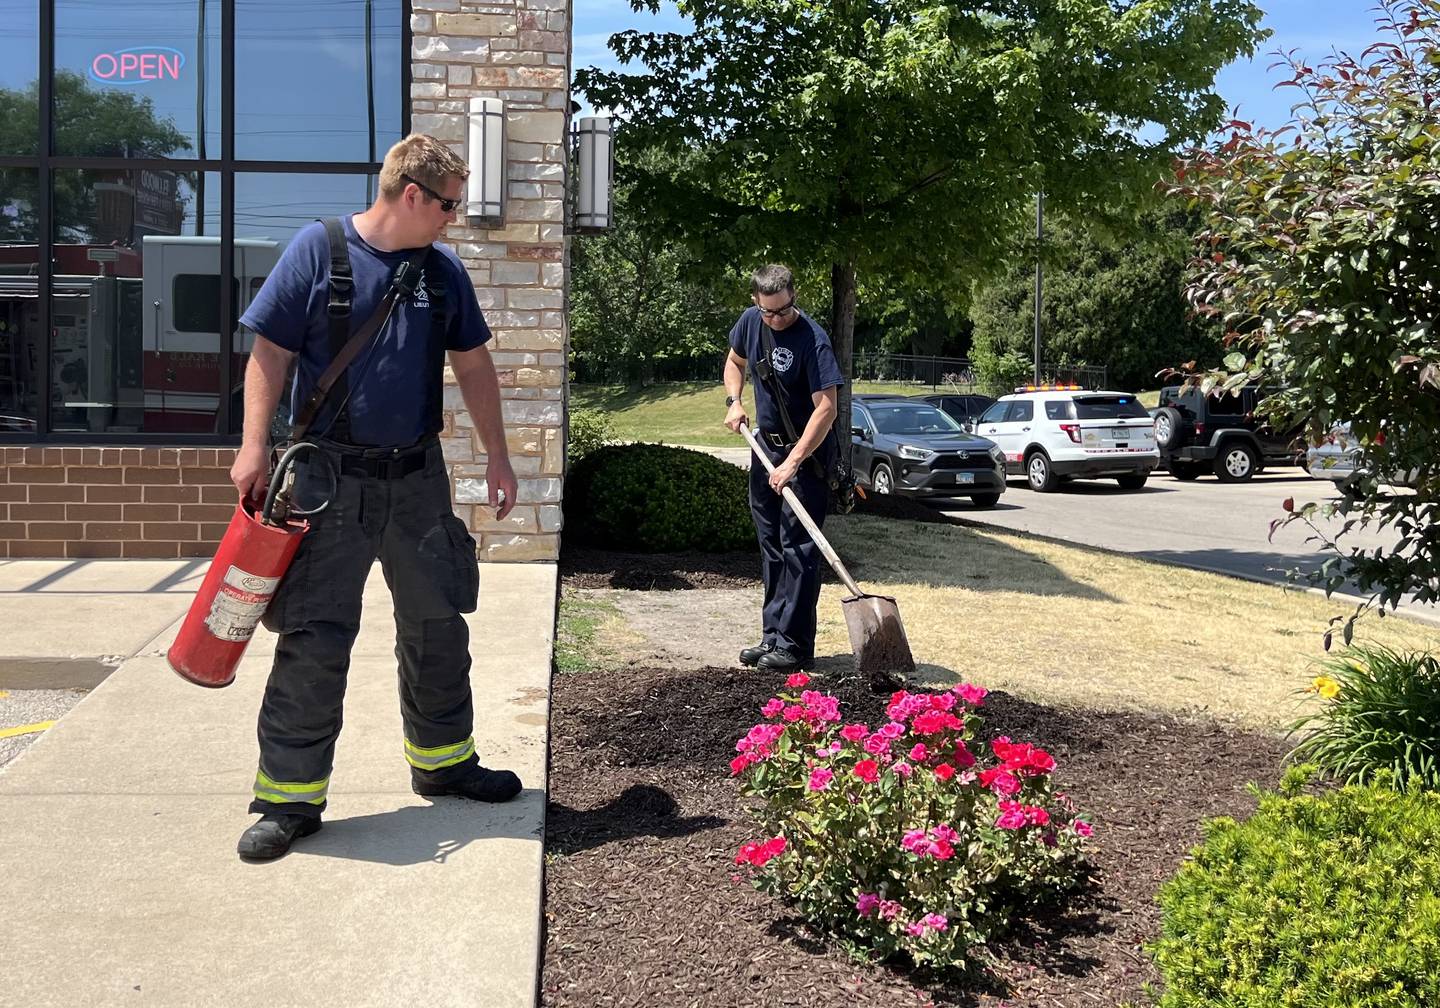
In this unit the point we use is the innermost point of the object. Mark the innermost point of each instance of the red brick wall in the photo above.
(114, 502)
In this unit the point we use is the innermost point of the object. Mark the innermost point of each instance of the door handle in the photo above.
(1024, 429)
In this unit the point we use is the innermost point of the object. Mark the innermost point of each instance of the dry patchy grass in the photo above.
(1072, 625)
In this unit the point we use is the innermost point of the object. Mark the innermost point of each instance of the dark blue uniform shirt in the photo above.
(388, 395)
(804, 363)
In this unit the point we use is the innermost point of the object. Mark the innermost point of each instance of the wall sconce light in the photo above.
(485, 188)
(595, 173)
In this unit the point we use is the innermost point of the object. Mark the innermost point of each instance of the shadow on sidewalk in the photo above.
(420, 834)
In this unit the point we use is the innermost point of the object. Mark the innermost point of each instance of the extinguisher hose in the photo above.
(282, 470)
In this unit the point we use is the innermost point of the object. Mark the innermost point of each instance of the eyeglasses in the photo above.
(778, 312)
(447, 205)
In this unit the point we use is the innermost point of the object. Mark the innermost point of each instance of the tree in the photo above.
(101, 122)
(1121, 305)
(1322, 258)
(904, 139)
(635, 296)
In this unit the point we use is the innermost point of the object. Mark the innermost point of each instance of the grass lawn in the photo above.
(684, 413)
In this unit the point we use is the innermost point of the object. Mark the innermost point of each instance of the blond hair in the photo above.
(424, 159)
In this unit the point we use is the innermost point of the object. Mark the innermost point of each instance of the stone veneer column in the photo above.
(517, 50)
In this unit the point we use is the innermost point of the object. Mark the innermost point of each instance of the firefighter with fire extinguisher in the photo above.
(378, 461)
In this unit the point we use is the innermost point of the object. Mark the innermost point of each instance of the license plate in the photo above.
(1120, 433)
(964, 477)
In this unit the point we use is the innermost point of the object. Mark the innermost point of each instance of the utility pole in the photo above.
(1039, 276)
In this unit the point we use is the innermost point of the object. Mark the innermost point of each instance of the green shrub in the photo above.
(1314, 902)
(652, 498)
(589, 429)
(1381, 713)
(901, 839)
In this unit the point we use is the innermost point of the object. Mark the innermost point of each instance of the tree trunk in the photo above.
(842, 338)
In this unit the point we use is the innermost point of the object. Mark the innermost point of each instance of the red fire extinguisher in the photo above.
(251, 560)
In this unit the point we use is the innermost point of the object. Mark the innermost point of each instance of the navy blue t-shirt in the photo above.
(803, 362)
(389, 395)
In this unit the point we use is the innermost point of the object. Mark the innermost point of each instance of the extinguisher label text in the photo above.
(239, 604)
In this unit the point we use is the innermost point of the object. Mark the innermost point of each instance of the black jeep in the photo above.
(1221, 433)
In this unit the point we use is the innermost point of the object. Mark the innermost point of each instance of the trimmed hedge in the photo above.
(1314, 902)
(650, 498)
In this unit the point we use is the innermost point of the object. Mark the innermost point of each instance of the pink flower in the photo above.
(934, 921)
(944, 832)
(944, 771)
(942, 850)
(972, 695)
(1001, 781)
(854, 732)
(890, 909)
(793, 713)
(820, 778)
(942, 701)
(968, 777)
(903, 769)
(1037, 816)
(868, 771)
(797, 680)
(915, 930)
(1011, 818)
(1082, 827)
(866, 903)
(893, 730)
(919, 753)
(760, 855)
(738, 764)
(775, 706)
(935, 721)
(964, 758)
(877, 744)
(915, 841)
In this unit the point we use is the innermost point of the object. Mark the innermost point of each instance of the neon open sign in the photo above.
(138, 65)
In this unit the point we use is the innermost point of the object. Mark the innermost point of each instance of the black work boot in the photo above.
(477, 783)
(751, 655)
(274, 833)
(778, 660)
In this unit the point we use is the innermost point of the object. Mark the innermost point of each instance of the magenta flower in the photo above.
(793, 713)
(890, 909)
(935, 922)
(944, 832)
(820, 778)
(797, 680)
(915, 930)
(877, 745)
(866, 903)
(1082, 827)
(903, 769)
(854, 732)
(1010, 819)
(972, 695)
(775, 706)
(919, 753)
(893, 730)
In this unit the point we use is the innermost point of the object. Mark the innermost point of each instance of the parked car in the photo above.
(1050, 433)
(1340, 458)
(963, 409)
(906, 446)
(1220, 433)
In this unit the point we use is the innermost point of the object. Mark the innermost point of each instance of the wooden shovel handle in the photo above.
(803, 515)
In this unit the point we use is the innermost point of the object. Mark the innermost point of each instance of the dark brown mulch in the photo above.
(596, 568)
(644, 819)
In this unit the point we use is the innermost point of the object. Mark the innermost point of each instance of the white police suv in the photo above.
(1051, 433)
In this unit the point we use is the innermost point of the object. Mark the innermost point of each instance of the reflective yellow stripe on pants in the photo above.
(439, 757)
(283, 792)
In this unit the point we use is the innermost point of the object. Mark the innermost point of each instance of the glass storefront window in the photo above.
(20, 345)
(126, 354)
(19, 74)
(317, 82)
(137, 79)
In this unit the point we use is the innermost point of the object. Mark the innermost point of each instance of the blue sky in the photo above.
(1314, 27)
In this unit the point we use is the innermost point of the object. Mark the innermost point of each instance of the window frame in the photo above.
(46, 162)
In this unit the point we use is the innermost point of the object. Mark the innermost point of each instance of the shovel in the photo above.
(876, 634)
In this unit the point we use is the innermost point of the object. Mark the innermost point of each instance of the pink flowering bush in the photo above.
(904, 836)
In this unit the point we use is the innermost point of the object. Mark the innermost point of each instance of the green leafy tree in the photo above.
(637, 295)
(904, 139)
(1322, 257)
(1117, 304)
(102, 122)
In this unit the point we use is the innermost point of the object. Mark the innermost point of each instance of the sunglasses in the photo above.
(447, 205)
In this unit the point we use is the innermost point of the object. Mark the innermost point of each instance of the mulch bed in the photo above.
(642, 902)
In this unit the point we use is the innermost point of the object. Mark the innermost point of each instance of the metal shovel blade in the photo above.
(878, 638)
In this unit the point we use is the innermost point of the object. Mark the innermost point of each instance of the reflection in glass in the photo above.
(20, 345)
(137, 79)
(128, 350)
(317, 81)
(270, 208)
(19, 63)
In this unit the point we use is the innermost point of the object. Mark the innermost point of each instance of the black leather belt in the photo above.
(382, 468)
(775, 440)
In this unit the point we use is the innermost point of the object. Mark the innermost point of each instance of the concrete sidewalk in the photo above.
(118, 824)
